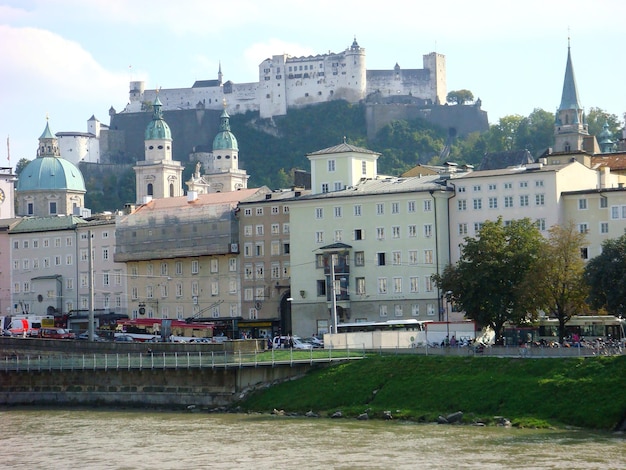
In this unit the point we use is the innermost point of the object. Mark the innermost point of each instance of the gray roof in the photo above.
(45, 224)
(500, 160)
(343, 148)
(387, 185)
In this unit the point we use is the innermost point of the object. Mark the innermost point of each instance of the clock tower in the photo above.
(7, 201)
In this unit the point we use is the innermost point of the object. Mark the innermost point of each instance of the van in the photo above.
(56, 333)
(287, 342)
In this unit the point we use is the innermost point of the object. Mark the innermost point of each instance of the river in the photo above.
(129, 439)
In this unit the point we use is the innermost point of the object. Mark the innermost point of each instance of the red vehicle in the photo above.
(56, 333)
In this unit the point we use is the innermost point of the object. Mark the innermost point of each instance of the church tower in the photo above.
(222, 172)
(158, 176)
(570, 128)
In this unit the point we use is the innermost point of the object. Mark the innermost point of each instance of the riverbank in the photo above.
(583, 392)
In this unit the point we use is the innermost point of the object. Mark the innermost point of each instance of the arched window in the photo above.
(171, 190)
(150, 190)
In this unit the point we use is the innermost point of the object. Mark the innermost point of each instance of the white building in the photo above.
(388, 236)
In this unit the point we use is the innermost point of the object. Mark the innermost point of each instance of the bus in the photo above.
(410, 324)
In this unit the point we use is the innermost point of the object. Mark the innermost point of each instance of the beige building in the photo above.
(182, 256)
(265, 256)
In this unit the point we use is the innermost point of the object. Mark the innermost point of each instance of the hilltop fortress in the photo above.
(287, 82)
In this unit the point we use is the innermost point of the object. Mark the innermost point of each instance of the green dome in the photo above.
(225, 140)
(157, 128)
(50, 173)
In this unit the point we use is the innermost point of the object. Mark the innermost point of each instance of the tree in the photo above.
(489, 282)
(536, 132)
(21, 164)
(606, 276)
(460, 97)
(561, 290)
(597, 118)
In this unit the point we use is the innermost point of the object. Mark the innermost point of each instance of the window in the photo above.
(523, 184)
(275, 271)
(395, 231)
(357, 210)
(179, 268)
(508, 185)
(382, 310)
(324, 187)
(164, 290)
(321, 288)
(397, 310)
(462, 204)
(215, 288)
(463, 229)
(275, 228)
(412, 256)
(380, 233)
(275, 210)
(603, 205)
(396, 258)
(337, 211)
(319, 213)
(584, 253)
(492, 187)
(285, 229)
(380, 208)
(508, 201)
(359, 258)
(493, 203)
(382, 285)
(53, 208)
(248, 272)
(363, 167)
(412, 231)
(410, 206)
(358, 234)
(106, 281)
(68, 260)
(476, 188)
(259, 271)
(414, 284)
(397, 285)
(428, 283)
(523, 200)
(395, 208)
(338, 235)
(179, 289)
(259, 249)
(428, 256)
(164, 269)
(582, 204)
(331, 166)
(338, 185)
(415, 310)
(541, 224)
(319, 237)
(259, 230)
(247, 250)
(428, 230)
(478, 204)
(259, 211)
(247, 212)
(604, 227)
(380, 258)
(430, 309)
(25, 244)
(428, 205)
(195, 266)
(247, 231)
(275, 248)
(539, 199)
(583, 228)
(248, 294)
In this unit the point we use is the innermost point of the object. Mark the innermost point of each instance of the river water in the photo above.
(87, 439)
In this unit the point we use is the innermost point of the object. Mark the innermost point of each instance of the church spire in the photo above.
(569, 98)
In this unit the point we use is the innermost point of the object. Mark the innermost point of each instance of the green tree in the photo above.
(561, 289)
(597, 118)
(606, 276)
(535, 133)
(491, 279)
(460, 97)
(21, 164)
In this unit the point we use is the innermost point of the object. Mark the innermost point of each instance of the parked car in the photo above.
(85, 336)
(124, 338)
(56, 333)
(290, 342)
(316, 342)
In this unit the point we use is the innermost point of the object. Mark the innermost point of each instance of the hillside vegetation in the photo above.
(584, 392)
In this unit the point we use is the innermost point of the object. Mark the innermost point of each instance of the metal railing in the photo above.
(173, 360)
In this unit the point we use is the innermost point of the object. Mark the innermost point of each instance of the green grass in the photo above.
(584, 392)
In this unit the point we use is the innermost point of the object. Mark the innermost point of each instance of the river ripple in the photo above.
(87, 439)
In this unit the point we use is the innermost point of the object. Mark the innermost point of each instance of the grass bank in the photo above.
(584, 392)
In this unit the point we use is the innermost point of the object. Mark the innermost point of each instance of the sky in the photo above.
(66, 60)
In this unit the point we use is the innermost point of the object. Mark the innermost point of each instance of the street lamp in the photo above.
(448, 294)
